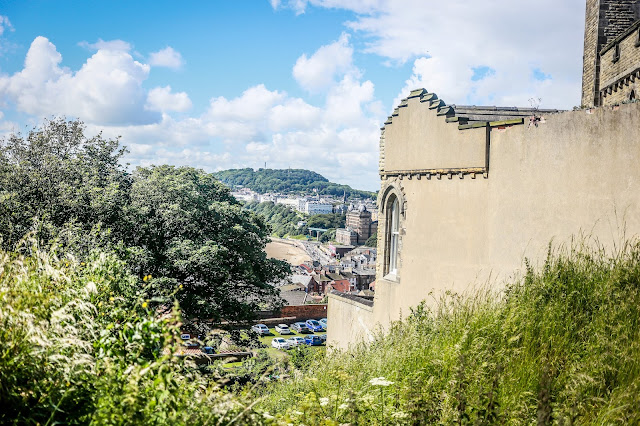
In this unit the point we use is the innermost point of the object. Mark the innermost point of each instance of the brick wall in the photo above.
(590, 54)
(618, 79)
(604, 21)
(304, 312)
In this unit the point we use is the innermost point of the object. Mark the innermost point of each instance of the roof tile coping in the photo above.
(456, 113)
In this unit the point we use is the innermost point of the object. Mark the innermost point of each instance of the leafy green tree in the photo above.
(179, 225)
(372, 241)
(187, 228)
(60, 177)
(294, 181)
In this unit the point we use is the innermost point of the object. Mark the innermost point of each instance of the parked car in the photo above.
(280, 343)
(323, 337)
(323, 321)
(261, 329)
(313, 341)
(283, 329)
(296, 341)
(301, 327)
(314, 325)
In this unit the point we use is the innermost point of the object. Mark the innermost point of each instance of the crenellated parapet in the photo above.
(413, 110)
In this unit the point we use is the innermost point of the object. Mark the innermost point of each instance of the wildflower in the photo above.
(343, 406)
(149, 277)
(181, 286)
(82, 263)
(267, 416)
(144, 304)
(324, 401)
(145, 278)
(380, 381)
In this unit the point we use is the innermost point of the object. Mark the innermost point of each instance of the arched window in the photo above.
(392, 234)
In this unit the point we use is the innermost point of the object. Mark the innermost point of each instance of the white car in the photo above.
(261, 329)
(296, 341)
(283, 329)
(280, 343)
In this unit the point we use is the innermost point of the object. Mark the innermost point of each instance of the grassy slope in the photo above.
(562, 345)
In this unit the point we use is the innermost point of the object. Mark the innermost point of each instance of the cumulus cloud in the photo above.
(318, 71)
(106, 90)
(445, 40)
(167, 57)
(161, 99)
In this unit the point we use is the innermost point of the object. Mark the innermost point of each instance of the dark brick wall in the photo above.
(604, 21)
(304, 311)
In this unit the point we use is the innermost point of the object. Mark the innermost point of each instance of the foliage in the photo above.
(192, 233)
(281, 219)
(372, 241)
(561, 345)
(286, 181)
(79, 345)
(327, 221)
(179, 225)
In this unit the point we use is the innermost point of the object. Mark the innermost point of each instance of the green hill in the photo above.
(286, 181)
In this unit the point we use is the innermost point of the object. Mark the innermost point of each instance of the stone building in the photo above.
(611, 61)
(359, 221)
(468, 192)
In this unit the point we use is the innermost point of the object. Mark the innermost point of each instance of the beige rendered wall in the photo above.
(577, 172)
(433, 144)
(349, 323)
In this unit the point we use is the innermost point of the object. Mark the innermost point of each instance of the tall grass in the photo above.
(78, 346)
(559, 346)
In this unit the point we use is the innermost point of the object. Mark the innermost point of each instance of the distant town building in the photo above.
(315, 207)
(358, 221)
(346, 236)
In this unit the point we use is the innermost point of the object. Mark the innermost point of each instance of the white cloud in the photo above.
(106, 90)
(167, 57)
(293, 114)
(319, 71)
(511, 38)
(5, 24)
(107, 45)
(161, 99)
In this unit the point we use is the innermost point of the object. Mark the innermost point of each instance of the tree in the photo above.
(61, 179)
(187, 228)
(372, 241)
(179, 225)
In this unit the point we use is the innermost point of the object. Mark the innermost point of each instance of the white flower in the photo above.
(343, 406)
(324, 401)
(380, 381)
(267, 415)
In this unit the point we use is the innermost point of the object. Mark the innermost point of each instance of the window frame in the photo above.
(392, 237)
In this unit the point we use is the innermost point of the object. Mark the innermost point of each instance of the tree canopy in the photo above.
(177, 224)
(298, 181)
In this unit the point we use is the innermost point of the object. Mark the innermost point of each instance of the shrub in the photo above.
(561, 345)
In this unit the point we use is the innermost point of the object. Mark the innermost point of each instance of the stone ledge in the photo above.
(363, 302)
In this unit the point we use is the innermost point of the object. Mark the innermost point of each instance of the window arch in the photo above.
(392, 205)
(392, 235)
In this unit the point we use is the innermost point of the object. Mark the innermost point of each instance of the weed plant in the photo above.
(79, 346)
(559, 346)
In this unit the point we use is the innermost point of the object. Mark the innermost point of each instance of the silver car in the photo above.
(261, 329)
(283, 329)
(295, 341)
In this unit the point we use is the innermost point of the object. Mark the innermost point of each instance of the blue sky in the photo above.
(299, 83)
